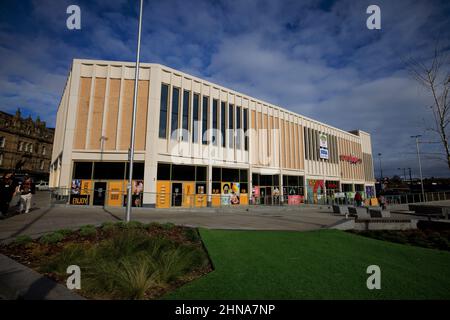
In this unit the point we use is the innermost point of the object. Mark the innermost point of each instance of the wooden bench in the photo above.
(377, 212)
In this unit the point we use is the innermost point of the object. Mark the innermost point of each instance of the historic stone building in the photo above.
(25, 145)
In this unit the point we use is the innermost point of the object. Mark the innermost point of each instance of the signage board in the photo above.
(323, 140)
(323, 153)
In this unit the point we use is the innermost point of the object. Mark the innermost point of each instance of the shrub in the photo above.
(191, 234)
(51, 238)
(135, 225)
(88, 231)
(65, 232)
(22, 240)
(135, 277)
(71, 254)
(108, 227)
(167, 226)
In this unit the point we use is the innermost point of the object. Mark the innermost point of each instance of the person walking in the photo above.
(358, 199)
(26, 191)
(7, 189)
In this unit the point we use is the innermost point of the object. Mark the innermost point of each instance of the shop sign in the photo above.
(323, 140)
(351, 159)
(323, 153)
(79, 199)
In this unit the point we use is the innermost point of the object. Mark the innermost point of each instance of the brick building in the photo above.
(25, 145)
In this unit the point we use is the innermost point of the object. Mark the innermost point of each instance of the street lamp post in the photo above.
(381, 169)
(133, 123)
(420, 165)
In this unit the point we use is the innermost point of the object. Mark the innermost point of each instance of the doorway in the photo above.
(99, 193)
(177, 195)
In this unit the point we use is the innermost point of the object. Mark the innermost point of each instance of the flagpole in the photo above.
(133, 123)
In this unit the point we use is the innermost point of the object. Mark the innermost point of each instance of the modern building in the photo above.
(25, 145)
(197, 143)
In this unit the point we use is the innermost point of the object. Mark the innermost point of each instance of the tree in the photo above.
(434, 76)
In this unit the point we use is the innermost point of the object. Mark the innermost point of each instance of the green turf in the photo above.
(325, 264)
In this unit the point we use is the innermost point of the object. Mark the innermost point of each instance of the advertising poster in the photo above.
(76, 186)
(226, 193)
(235, 193)
(295, 200)
(86, 187)
(314, 190)
(76, 198)
(115, 192)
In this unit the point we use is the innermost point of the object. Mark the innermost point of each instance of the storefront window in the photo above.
(109, 170)
(82, 170)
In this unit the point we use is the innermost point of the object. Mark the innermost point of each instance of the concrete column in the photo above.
(65, 174)
(209, 185)
(151, 141)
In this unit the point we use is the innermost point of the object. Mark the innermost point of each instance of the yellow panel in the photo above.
(188, 194)
(244, 198)
(163, 194)
(374, 202)
(141, 114)
(97, 114)
(86, 187)
(115, 193)
(79, 141)
(112, 114)
(216, 200)
(127, 109)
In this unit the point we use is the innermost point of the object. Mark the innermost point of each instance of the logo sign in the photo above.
(351, 159)
(323, 139)
(323, 153)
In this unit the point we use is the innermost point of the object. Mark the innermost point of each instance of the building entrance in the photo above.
(177, 194)
(99, 193)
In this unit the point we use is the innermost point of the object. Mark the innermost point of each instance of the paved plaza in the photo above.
(46, 218)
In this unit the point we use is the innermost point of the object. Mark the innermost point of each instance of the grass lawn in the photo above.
(325, 264)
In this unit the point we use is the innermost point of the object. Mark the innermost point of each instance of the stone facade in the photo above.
(25, 145)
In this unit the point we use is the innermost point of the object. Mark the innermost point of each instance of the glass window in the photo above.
(244, 187)
(2, 142)
(183, 173)
(223, 120)
(216, 174)
(214, 121)
(201, 174)
(195, 118)
(175, 108)
(255, 179)
(82, 170)
(205, 114)
(163, 111)
(243, 175)
(186, 107)
(276, 180)
(163, 171)
(238, 127)
(231, 125)
(138, 170)
(231, 175)
(245, 129)
(109, 170)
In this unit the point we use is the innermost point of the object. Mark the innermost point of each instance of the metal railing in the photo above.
(105, 197)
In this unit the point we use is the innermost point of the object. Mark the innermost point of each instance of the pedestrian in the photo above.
(382, 202)
(26, 191)
(358, 199)
(7, 189)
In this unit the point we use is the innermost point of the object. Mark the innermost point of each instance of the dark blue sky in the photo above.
(313, 57)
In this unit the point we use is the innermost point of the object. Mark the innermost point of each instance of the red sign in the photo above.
(351, 159)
